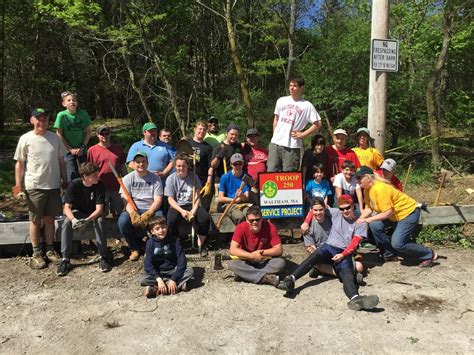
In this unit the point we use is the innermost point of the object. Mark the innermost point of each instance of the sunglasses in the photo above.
(67, 93)
(255, 220)
(345, 208)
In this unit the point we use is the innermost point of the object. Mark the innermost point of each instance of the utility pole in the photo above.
(377, 79)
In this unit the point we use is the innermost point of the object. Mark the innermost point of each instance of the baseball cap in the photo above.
(140, 154)
(149, 125)
(340, 131)
(344, 199)
(363, 130)
(38, 112)
(363, 171)
(101, 128)
(252, 131)
(236, 157)
(213, 119)
(388, 164)
(232, 126)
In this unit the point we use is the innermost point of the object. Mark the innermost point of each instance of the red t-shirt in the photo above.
(248, 241)
(101, 157)
(337, 157)
(255, 159)
(394, 180)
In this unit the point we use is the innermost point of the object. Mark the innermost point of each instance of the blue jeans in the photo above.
(133, 235)
(399, 243)
(72, 165)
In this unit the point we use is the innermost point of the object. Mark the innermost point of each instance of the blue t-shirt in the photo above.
(313, 189)
(229, 184)
(159, 155)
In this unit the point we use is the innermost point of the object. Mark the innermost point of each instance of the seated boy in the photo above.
(165, 263)
(257, 246)
(84, 203)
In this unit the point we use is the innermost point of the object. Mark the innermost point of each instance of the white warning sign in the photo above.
(384, 55)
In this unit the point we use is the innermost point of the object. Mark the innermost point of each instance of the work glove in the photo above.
(145, 217)
(18, 193)
(135, 218)
(79, 224)
(206, 190)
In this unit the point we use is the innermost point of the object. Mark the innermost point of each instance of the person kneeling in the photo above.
(344, 237)
(257, 246)
(165, 263)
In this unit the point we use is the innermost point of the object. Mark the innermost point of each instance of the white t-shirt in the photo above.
(41, 154)
(292, 116)
(348, 188)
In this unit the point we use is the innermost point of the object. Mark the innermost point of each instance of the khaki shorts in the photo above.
(43, 203)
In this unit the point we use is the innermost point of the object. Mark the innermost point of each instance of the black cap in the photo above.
(212, 119)
(363, 170)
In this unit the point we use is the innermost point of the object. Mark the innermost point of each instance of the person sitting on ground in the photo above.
(146, 191)
(345, 184)
(84, 204)
(367, 155)
(318, 186)
(39, 159)
(229, 187)
(179, 190)
(73, 127)
(258, 248)
(103, 154)
(165, 267)
(393, 209)
(344, 237)
(316, 231)
(338, 153)
(312, 156)
(387, 171)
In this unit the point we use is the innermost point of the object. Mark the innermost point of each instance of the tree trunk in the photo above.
(291, 38)
(238, 67)
(433, 89)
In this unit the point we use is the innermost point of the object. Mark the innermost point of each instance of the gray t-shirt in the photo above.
(318, 232)
(181, 189)
(143, 189)
(343, 229)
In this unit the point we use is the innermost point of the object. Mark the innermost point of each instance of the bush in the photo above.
(444, 235)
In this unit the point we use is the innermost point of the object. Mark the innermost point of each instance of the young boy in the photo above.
(312, 156)
(345, 184)
(73, 127)
(165, 263)
(318, 187)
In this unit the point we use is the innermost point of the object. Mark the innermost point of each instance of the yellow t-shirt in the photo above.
(382, 197)
(370, 157)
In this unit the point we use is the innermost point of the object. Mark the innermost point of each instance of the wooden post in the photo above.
(378, 80)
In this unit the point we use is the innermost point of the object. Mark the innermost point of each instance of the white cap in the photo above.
(388, 164)
(340, 131)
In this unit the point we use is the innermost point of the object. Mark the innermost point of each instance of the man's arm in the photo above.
(155, 206)
(168, 168)
(67, 210)
(274, 251)
(19, 172)
(300, 135)
(87, 135)
(275, 122)
(62, 168)
(99, 208)
(236, 250)
(60, 134)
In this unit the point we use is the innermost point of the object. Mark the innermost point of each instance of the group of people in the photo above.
(160, 182)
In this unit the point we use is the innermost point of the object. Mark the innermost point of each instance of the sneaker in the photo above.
(314, 273)
(363, 302)
(393, 258)
(360, 279)
(287, 284)
(134, 255)
(150, 292)
(64, 268)
(204, 252)
(183, 287)
(53, 256)
(37, 262)
(104, 265)
(270, 279)
(237, 278)
(429, 262)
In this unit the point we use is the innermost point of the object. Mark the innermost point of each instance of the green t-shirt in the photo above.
(214, 139)
(73, 126)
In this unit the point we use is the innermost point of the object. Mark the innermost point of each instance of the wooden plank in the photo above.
(442, 215)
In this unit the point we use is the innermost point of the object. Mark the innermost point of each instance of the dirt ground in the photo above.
(420, 311)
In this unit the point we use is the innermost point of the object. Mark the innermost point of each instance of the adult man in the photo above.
(229, 187)
(387, 171)
(102, 154)
(165, 137)
(73, 128)
(39, 159)
(179, 190)
(160, 156)
(213, 137)
(254, 153)
(222, 152)
(204, 171)
(337, 153)
(84, 203)
(257, 246)
(344, 237)
(292, 114)
(146, 191)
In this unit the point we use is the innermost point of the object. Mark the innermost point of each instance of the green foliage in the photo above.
(7, 175)
(445, 235)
